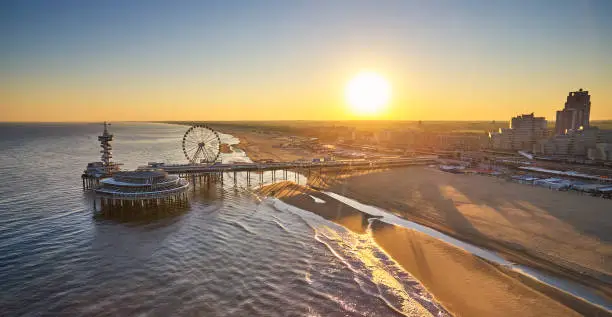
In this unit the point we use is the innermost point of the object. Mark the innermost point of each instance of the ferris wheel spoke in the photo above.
(199, 134)
(191, 150)
(206, 138)
(192, 158)
(206, 157)
(199, 153)
(192, 144)
(210, 155)
(193, 138)
(211, 137)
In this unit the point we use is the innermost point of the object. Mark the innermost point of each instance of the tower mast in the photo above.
(106, 151)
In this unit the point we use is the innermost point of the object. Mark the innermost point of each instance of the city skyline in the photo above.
(272, 60)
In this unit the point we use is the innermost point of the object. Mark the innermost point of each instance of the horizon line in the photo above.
(280, 120)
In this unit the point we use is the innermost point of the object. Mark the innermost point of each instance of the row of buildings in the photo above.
(406, 138)
(524, 132)
(573, 136)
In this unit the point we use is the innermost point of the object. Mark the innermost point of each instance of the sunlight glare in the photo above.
(367, 93)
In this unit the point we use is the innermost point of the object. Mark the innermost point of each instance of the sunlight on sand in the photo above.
(466, 207)
(450, 192)
(506, 214)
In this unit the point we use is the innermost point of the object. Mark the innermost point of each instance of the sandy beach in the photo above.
(465, 284)
(559, 232)
(261, 144)
(563, 232)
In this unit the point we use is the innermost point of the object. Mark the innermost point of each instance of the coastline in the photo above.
(361, 186)
(517, 226)
(455, 277)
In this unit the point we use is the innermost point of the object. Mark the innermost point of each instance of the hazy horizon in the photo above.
(67, 61)
(593, 122)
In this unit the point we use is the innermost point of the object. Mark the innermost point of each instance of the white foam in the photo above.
(568, 286)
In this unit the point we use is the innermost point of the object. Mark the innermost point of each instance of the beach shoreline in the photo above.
(466, 207)
(563, 251)
(454, 276)
(370, 188)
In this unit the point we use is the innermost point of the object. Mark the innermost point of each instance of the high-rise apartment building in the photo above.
(575, 114)
(524, 132)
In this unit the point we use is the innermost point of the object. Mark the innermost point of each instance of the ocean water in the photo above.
(230, 253)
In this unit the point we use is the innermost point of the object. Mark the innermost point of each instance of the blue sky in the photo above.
(493, 49)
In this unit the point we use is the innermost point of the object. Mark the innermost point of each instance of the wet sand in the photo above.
(563, 233)
(332, 209)
(465, 284)
(560, 232)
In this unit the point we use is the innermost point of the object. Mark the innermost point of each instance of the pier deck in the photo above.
(186, 169)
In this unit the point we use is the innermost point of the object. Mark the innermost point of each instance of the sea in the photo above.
(229, 253)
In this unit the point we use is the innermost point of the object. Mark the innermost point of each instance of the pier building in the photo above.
(143, 188)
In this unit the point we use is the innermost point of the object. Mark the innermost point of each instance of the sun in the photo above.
(367, 93)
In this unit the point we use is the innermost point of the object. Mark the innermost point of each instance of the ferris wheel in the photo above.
(201, 145)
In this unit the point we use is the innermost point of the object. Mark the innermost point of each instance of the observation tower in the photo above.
(106, 167)
(105, 140)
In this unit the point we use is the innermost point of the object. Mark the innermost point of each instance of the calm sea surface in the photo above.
(230, 253)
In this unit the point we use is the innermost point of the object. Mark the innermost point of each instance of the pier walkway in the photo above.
(191, 169)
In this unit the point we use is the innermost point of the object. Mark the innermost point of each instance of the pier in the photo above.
(217, 171)
(165, 185)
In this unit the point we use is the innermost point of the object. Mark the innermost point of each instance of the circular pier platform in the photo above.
(142, 189)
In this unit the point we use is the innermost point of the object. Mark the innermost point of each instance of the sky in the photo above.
(290, 60)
